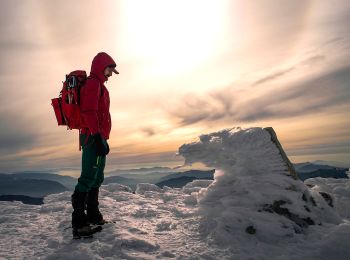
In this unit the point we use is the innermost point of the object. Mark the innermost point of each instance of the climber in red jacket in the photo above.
(96, 122)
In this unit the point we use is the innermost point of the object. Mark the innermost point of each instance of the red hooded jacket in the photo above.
(94, 98)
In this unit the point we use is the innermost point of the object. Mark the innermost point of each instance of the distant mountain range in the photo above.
(310, 170)
(333, 163)
(149, 177)
(309, 167)
(24, 199)
(198, 174)
(12, 185)
(67, 181)
(324, 173)
(171, 179)
(178, 180)
(41, 184)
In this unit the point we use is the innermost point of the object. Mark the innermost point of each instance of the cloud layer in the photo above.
(318, 93)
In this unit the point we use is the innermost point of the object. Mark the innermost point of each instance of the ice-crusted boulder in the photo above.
(255, 190)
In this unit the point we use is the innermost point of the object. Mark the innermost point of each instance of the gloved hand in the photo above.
(101, 148)
(107, 150)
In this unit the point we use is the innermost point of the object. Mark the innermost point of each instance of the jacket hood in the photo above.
(98, 65)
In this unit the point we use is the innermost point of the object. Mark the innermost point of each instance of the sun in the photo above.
(172, 37)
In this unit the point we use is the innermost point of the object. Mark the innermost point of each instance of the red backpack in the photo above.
(66, 106)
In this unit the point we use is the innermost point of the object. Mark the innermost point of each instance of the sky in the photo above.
(186, 68)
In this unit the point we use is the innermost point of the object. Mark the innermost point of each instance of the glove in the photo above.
(107, 150)
(101, 148)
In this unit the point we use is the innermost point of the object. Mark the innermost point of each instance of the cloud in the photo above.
(148, 131)
(335, 40)
(316, 94)
(313, 60)
(279, 74)
(155, 158)
(328, 148)
(65, 26)
(273, 76)
(16, 40)
(14, 136)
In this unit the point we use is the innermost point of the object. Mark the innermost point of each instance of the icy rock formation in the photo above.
(255, 189)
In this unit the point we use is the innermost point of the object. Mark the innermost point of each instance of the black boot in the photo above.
(94, 215)
(80, 226)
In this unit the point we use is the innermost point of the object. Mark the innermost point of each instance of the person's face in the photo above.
(108, 71)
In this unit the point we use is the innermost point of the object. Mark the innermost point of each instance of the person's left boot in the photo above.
(93, 213)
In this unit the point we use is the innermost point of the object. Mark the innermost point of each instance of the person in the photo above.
(96, 127)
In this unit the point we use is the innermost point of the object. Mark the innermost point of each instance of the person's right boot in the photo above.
(80, 226)
(94, 215)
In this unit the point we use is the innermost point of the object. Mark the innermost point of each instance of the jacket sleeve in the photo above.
(89, 96)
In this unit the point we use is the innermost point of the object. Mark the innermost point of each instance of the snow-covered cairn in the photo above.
(255, 191)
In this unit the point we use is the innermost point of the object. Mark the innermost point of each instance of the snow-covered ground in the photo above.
(253, 209)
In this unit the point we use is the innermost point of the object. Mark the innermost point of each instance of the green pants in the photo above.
(92, 166)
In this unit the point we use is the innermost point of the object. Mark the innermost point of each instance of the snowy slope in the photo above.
(233, 217)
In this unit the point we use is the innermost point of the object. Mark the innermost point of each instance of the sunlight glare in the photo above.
(172, 36)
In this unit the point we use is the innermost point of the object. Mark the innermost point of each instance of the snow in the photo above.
(143, 188)
(339, 189)
(228, 218)
(148, 226)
